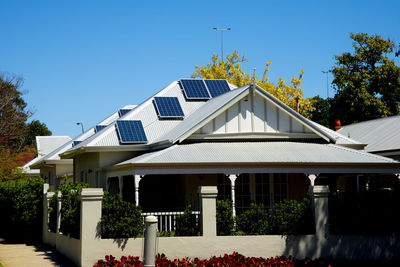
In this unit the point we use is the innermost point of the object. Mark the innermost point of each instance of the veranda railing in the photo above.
(167, 220)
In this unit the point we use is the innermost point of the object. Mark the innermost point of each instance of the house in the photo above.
(44, 145)
(207, 132)
(55, 170)
(382, 136)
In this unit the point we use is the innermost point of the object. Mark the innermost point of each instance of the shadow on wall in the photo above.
(121, 242)
(344, 247)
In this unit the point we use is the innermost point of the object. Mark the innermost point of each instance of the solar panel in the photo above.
(195, 89)
(168, 107)
(123, 111)
(131, 132)
(217, 87)
(99, 128)
(75, 143)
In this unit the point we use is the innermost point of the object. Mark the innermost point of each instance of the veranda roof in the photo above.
(276, 156)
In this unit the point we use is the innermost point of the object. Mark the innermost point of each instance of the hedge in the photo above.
(120, 219)
(21, 209)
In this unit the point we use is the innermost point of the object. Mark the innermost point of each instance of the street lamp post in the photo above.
(327, 87)
(222, 39)
(81, 124)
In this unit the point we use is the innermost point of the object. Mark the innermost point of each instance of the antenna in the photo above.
(327, 88)
(222, 30)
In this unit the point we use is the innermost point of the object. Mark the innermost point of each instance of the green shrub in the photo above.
(290, 217)
(71, 208)
(21, 208)
(225, 221)
(253, 221)
(120, 219)
(186, 223)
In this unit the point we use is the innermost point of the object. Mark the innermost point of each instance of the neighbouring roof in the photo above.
(379, 134)
(46, 144)
(53, 156)
(220, 153)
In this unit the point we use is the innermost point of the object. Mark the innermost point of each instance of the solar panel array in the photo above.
(199, 89)
(168, 107)
(75, 143)
(217, 87)
(123, 111)
(98, 128)
(195, 89)
(131, 131)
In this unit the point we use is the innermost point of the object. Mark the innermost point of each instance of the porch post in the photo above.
(312, 177)
(233, 178)
(137, 181)
(120, 184)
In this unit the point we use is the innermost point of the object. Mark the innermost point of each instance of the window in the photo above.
(280, 187)
(224, 187)
(263, 189)
(113, 185)
(242, 193)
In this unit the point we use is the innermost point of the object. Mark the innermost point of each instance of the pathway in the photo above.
(22, 255)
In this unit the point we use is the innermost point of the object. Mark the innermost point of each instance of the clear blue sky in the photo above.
(82, 60)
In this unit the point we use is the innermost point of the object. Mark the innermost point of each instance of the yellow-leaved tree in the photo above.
(230, 70)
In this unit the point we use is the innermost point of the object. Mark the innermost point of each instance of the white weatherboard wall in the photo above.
(253, 114)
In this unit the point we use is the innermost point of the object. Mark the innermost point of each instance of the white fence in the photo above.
(90, 247)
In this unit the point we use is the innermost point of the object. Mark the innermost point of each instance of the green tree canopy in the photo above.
(367, 82)
(230, 69)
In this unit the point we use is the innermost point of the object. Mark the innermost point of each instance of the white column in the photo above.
(137, 181)
(312, 177)
(91, 200)
(208, 210)
(120, 184)
(233, 178)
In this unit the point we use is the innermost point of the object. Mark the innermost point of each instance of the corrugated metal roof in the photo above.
(257, 152)
(46, 144)
(145, 112)
(380, 134)
(54, 155)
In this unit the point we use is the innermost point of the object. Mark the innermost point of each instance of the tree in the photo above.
(13, 113)
(230, 70)
(367, 82)
(35, 128)
(322, 111)
(16, 135)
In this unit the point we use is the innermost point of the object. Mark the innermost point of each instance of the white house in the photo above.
(56, 170)
(208, 132)
(44, 146)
